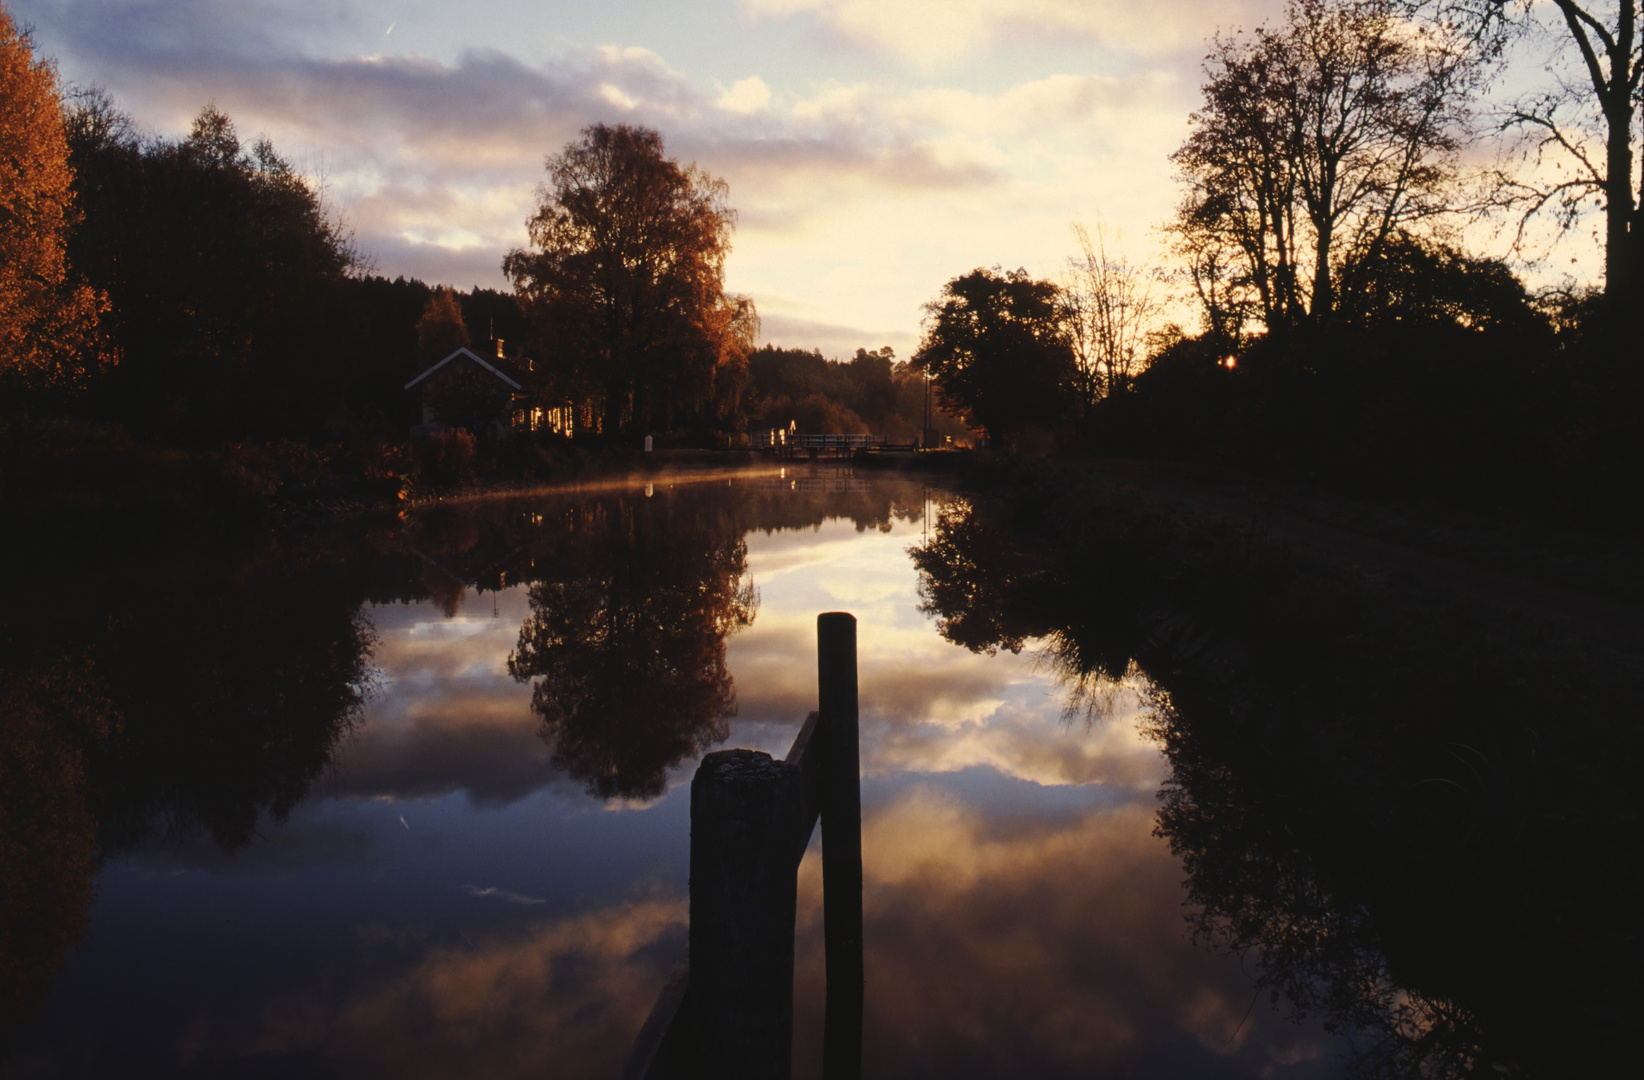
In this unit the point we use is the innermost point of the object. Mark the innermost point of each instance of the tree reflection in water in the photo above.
(633, 588)
(50, 716)
(234, 702)
(626, 640)
(1411, 816)
(143, 698)
(159, 685)
(992, 584)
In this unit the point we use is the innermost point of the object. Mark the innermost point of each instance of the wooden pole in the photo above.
(744, 813)
(841, 799)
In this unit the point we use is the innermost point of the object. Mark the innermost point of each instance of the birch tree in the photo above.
(1110, 305)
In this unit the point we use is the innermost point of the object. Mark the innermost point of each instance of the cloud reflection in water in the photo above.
(563, 998)
(1032, 947)
(1022, 918)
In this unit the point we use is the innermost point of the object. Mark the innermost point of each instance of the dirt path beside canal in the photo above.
(1581, 583)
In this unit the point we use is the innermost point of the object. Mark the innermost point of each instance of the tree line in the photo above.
(198, 291)
(1344, 331)
(197, 295)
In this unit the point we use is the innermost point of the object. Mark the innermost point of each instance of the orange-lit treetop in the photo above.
(48, 321)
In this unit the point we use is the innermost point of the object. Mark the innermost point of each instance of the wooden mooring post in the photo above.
(744, 812)
(841, 791)
(727, 1008)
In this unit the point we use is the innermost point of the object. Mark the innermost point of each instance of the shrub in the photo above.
(444, 458)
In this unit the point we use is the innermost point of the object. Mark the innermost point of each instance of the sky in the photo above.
(874, 149)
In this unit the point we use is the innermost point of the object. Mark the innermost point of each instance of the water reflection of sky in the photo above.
(447, 904)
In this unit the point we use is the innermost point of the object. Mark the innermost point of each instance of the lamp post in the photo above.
(924, 435)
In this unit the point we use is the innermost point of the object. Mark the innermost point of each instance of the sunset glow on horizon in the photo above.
(872, 151)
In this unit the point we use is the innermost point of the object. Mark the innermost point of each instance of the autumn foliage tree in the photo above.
(48, 319)
(625, 280)
(441, 330)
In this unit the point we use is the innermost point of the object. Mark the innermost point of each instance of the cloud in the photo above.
(927, 706)
(745, 95)
(449, 750)
(1017, 739)
(149, 33)
(505, 895)
(861, 195)
(937, 34)
(830, 339)
(448, 716)
(997, 943)
(436, 165)
(464, 266)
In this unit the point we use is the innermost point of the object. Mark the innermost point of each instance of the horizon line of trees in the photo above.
(198, 291)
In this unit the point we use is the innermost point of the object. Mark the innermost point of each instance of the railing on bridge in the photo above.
(780, 441)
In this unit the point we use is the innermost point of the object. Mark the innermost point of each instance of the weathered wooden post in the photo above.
(744, 813)
(727, 1009)
(841, 799)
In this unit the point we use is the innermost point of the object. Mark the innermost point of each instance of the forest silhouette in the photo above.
(231, 353)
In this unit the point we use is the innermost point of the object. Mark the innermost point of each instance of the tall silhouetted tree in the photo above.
(1597, 105)
(997, 347)
(48, 319)
(625, 280)
(1110, 306)
(1317, 140)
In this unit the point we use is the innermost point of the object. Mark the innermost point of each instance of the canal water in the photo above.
(412, 800)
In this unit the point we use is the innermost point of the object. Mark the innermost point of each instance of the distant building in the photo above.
(484, 395)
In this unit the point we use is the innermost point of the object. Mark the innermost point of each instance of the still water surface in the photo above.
(483, 870)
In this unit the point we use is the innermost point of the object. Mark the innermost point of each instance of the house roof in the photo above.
(495, 367)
